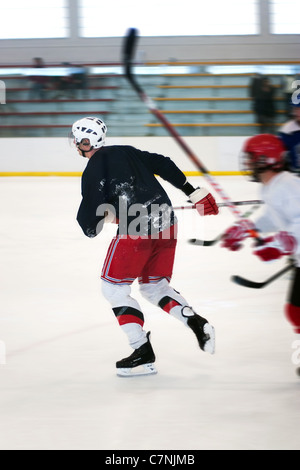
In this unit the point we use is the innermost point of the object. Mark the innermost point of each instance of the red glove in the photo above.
(204, 201)
(233, 237)
(275, 247)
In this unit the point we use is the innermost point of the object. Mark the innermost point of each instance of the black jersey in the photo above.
(123, 178)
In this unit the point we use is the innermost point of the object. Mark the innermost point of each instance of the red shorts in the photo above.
(146, 258)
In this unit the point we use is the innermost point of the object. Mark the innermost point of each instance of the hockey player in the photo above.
(264, 157)
(117, 183)
(290, 135)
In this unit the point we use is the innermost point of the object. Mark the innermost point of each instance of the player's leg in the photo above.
(131, 320)
(167, 298)
(292, 307)
(127, 312)
(123, 263)
(155, 287)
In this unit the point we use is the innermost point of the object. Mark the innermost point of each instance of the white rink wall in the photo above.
(220, 155)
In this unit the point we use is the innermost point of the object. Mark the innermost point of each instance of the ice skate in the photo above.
(140, 362)
(204, 332)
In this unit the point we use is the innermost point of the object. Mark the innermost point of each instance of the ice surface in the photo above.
(59, 388)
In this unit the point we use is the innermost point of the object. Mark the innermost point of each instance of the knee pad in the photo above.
(155, 292)
(293, 315)
(118, 295)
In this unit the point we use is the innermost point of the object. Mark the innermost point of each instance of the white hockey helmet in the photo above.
(91, 128)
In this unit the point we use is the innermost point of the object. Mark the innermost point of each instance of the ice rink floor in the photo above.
(58, 384)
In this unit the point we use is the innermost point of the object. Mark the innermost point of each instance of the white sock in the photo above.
(135, 333)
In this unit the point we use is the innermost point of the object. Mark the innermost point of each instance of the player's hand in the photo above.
(110, 217)
(233, 237)
(272, 248)
(204, 201)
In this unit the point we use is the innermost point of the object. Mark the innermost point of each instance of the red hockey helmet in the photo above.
(263, 152)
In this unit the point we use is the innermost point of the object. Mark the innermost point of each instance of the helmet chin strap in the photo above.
(83, 152)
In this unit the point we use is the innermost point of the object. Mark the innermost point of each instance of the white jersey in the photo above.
(282, 207)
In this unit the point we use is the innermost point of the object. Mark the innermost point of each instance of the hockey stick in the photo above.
(128, 53)
(197, 241)
(241, 281)
(225, 204)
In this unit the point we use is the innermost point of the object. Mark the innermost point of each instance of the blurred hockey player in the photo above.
(290, 135)
(264, 157)
(118, 183)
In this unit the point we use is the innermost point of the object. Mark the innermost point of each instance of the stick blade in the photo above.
(258, 285)
(241, 281)
(197, 241)
(130, 41)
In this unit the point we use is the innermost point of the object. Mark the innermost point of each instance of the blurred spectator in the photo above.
(61, 82)
(73, 79)
(254, 87)
(39, 82)
(287, 90)
(79, 79)
(290, 134)
(264, 106)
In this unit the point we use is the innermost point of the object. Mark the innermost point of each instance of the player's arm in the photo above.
(169, 171)
(92, 210)
(287, 219)
(287, 239)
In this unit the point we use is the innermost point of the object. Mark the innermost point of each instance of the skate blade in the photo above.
(145, 369)
(209, 346)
